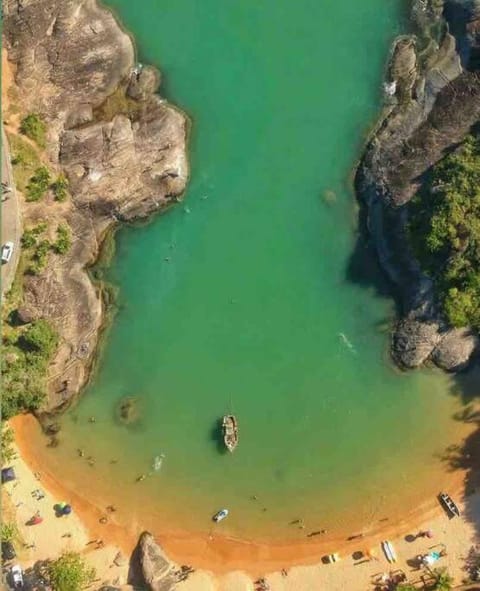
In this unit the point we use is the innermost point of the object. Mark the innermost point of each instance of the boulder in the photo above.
(413, 342)
(143, 83)
(157, 570)
(26, 314)
(456, 349)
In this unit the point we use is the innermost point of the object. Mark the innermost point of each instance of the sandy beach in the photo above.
(222, 564)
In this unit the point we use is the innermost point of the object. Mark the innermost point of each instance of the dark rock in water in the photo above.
(128, 410)
(157, 570)
(52, 428)
(53, 441)
(456, 349)
(413, 342)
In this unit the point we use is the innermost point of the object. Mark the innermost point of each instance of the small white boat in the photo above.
(220, 515)
(389, 551)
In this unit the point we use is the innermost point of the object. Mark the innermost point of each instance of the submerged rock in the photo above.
(128, 410)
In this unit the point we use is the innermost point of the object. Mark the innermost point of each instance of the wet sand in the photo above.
(216, 557)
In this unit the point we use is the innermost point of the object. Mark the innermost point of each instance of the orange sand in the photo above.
(217, 554)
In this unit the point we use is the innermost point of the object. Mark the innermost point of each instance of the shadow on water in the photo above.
(363, 267)
(216, 436)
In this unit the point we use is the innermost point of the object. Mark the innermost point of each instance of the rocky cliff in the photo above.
(122, 147)
(433, 101)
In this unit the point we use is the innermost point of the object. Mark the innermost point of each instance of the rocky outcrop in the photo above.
(157, 570)
(122, 148)
(435, 105)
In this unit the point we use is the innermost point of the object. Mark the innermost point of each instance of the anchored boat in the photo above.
(230, 432)
(447, 502)
(220, 515)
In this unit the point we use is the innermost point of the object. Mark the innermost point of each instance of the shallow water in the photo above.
(256, 311)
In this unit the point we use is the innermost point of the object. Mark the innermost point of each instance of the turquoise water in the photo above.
(239, 300)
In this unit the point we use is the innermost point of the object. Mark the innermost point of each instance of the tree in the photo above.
(70, 573)
(40, 338)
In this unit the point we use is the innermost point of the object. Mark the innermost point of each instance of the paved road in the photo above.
(11, 222)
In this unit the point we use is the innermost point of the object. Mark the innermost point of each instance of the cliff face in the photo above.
(121, 146)
(436, 103)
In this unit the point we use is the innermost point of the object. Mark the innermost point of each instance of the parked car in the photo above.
(7, 251)
(17, 576)
(8, 551)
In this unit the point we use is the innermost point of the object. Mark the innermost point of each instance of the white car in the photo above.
(7, 251)
(17, 576)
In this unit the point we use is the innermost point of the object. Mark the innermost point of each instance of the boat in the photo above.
(389, 551)
(230, 432)
(220, 515)
(447, 502)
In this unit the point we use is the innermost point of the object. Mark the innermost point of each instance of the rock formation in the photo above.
(436, 103)
(158, 572)
(122, 147)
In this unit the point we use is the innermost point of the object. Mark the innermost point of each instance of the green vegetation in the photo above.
(34, 128)
(445, 232)
(25, 160)
(64, 240)
(7, 444)
(38, 184)
(70, 573)
(39, 258)
(30, 236)
(26, 355)
(60, 187)
(444, 581)
(37, 246)
(9, 532)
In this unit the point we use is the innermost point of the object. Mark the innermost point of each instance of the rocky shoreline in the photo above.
(433, 101)
(122, 147)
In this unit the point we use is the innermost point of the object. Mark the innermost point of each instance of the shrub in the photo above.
(70, 573)
(34, 127)
(8, 532)
(60, 187)
(38, 184)
(39, 257)
(40, 338)
(30, 236)
(64, 240)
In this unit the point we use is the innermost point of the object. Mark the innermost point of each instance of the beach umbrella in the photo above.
(36, 519)
(67, 509)
(429, 533)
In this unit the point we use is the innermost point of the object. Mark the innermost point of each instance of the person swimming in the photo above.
(343, 337)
